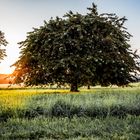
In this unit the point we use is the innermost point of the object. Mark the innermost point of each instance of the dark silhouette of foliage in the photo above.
(78, 50)
(3, 42)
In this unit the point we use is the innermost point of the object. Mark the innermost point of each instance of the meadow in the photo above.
(48, 114)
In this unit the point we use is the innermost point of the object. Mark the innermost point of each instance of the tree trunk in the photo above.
(74, 87)
(88, 87)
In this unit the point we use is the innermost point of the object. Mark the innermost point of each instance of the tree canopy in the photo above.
(78, 50)
(3, 42)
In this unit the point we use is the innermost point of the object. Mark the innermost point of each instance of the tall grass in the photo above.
(104, 103)
(75, 128)
(101, 113)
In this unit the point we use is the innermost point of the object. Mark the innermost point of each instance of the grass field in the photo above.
(49, 114)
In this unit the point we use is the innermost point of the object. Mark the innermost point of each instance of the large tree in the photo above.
(78, 50)
(3, 42)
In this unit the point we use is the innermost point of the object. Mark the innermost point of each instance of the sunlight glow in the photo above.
(5, 69)
(12, 52)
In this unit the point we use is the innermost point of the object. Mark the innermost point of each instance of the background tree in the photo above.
(78, 50)
(3, 42)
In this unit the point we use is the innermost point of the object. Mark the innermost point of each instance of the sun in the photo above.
(12, 52)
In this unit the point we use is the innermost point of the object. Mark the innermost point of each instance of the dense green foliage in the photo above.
(97, 114)
(4, 43)
(78, 50)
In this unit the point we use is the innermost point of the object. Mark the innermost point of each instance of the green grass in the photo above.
(98, 114)
(65, 128)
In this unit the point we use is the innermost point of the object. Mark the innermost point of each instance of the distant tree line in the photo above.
(78, 50)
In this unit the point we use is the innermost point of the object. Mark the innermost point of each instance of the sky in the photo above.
(17, 17)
